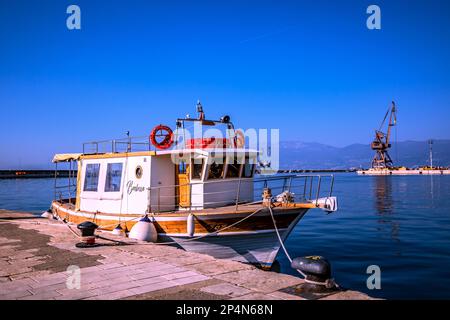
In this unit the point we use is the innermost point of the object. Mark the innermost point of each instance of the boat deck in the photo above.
(230, 209)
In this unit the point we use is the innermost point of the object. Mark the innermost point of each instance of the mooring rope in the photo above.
(169, 242)
(328, 283)
(208, 234)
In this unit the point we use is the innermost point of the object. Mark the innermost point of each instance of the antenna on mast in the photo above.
(201, 114)
(430, 143)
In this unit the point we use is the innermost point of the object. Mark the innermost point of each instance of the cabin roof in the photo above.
(205, 152)
(65, 157)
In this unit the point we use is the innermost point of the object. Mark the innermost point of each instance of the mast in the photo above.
(430, 142)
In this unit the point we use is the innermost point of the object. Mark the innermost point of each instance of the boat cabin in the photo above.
(198, 173)
(163, 181)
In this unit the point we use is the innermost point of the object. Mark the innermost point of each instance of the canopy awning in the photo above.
(64, 157)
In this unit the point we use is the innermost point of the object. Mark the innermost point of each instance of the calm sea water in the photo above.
(401, 224)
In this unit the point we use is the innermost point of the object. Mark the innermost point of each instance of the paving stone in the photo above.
(147, 281)
(152, 287)
(285, 296)
(13, 295)
(74, 294)
(113, 295)
(48, 282)
(108, 282)
(256, 296)
(178, 275)
(348, 295)
(18, 284)
(42, 296)
(48, 288)
(187, 280)
(226, 289)
(219, 266)
(115, 287)
(259, 280)
(151, 274)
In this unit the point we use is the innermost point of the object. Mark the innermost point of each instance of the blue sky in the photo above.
(310, 68)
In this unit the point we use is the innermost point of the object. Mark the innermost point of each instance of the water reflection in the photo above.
(384, 206)
(432, 190)
(383, 195)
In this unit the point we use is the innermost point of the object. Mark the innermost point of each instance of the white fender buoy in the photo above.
(328, 204)
(47, 214)
(118, 231)
(190, 225)
(144, 230)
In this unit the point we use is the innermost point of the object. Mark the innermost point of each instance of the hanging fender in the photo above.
(239, 139)
(190, 225)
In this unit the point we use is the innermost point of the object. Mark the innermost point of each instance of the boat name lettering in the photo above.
(131, 187)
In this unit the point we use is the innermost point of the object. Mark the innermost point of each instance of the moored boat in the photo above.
(201, 194)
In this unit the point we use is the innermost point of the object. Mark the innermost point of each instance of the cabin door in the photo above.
(183, 184)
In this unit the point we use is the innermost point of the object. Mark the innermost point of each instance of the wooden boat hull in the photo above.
(251, 240)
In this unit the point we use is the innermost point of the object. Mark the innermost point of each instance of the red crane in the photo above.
(381, 143)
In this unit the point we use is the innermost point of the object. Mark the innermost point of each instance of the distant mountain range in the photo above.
(305, 155)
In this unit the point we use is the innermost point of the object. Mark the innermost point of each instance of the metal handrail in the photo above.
(303, 191)
(111, 145)
(286, 186)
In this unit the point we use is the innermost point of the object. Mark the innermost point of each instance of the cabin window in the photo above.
(234, 168)
(216, 169)
(197, 168)
(91, 177)
(248, 168)
(113, 177)
(182, 167)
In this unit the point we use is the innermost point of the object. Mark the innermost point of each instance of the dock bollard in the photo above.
(267, 196)
(317, 271)
(87, 229)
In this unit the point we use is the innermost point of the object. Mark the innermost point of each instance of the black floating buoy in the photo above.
(317, 272)
(87, 229)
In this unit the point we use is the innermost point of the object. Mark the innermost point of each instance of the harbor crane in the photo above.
(381, 143)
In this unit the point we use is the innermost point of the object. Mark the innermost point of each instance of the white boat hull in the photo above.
(258, 248)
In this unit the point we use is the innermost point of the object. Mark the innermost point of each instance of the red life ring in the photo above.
(162, 131)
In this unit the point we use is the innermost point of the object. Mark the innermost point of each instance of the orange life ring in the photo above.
(162, 131)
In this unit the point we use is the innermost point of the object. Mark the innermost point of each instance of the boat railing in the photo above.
(302, 188)
(129, 144)
(66, 189)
